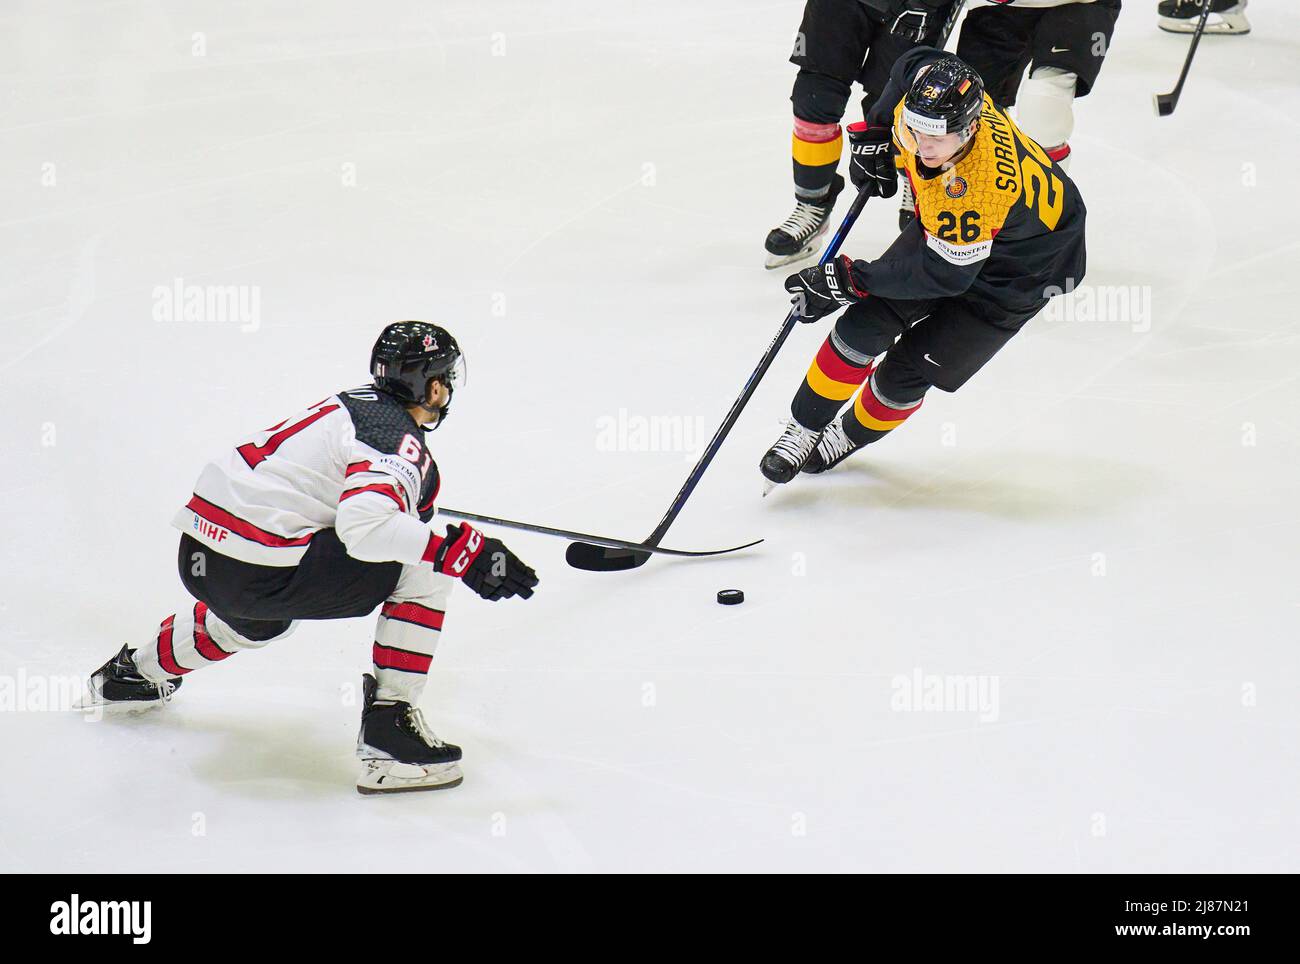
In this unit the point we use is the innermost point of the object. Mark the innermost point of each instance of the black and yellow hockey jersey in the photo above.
(1004, 223)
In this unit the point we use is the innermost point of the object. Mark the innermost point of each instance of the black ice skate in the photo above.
(799, 236)
(1227, 17)
(398, 751)
(833, 447)
(118, 685)
(787, 455)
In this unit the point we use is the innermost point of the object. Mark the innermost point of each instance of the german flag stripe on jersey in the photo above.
(831, 376)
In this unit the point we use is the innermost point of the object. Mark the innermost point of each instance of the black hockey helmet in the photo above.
(945, 98)
(410, 354)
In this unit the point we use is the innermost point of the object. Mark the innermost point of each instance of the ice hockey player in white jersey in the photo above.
(1063, 43)
(323, 516)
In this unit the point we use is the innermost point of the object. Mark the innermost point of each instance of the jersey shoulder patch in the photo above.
(382, 422)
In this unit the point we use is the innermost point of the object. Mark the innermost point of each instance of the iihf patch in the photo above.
(429, 343)
(956, 187)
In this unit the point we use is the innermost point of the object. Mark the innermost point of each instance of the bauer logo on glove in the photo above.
(871, 160)
(818, 291)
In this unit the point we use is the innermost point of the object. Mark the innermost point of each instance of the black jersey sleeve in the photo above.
(910, 270)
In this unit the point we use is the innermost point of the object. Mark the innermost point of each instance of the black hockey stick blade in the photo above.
(629, 555)
(583, 555)
(1166, 103)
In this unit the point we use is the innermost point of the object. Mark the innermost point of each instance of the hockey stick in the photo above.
(586, 537)
(1165, 103)
(951, 22)
(590, 555)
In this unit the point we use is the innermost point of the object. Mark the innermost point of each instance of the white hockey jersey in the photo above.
(356, 462)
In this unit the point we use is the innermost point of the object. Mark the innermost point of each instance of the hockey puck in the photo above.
(730, 597)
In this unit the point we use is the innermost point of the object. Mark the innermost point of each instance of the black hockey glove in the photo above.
(822, 289)
(871, 160)
(483, 564)
(911, 25)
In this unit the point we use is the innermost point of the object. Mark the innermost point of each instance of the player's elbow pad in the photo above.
(357, 523)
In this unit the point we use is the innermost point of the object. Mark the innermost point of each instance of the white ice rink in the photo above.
(1100, 530)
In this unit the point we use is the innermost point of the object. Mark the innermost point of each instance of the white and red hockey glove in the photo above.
(484, 564)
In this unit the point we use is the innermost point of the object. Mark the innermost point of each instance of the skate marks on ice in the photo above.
(1014, 485)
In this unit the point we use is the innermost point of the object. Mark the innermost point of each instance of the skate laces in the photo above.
(795, 443)
(833, 442)
(805, 219)
(416, 719)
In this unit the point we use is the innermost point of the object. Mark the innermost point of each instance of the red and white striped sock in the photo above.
(407, 632)
(190, 640)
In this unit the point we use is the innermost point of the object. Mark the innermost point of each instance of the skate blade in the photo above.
(768, 486)
(1226, 27)
(804, 254)
(389, 776)
(811, 249)
(93, 704)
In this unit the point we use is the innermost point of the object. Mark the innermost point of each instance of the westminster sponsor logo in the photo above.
(103, 917)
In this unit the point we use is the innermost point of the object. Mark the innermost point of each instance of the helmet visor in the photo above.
(927, 136)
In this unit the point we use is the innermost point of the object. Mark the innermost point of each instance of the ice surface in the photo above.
(1102, 524)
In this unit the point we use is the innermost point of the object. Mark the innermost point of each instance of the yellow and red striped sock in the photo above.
(834, 375)
(874, 416)
(815, 149)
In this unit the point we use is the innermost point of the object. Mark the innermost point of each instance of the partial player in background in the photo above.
(839, 42)
(1000, 230)
(1063, 44)
(323, 516)
(1227, 17)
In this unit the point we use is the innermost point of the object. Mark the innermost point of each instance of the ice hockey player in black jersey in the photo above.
(839, 42)
(324, 516)
(1000, 228)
